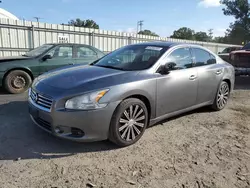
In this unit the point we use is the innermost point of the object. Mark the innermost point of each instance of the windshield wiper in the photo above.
(24, 55)
(111, 67)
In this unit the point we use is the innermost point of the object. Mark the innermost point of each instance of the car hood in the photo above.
(11, 58)
(82, 76)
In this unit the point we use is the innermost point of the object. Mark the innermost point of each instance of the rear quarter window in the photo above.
(203, 57)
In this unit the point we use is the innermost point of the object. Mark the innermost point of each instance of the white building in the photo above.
(7, 15)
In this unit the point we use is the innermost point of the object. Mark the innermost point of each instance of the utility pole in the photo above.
(37, 18)
(139, 24)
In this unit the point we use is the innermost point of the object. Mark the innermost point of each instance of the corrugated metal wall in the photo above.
(17, 37)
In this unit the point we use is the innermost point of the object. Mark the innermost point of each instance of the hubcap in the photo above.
(132, 122)
(18, 82)
(223, 96)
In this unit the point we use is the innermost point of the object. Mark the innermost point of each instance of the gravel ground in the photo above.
(201, 149)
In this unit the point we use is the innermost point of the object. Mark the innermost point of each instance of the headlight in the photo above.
(87, 102)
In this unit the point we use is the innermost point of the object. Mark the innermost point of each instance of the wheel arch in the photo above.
(18, 68)
(228, 81)
(144, 97)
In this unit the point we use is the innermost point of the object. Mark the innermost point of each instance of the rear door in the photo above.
(62, 55)
(85, 54)
(209, 74)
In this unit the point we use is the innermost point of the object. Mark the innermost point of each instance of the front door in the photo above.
(178, 89)
(61, 56)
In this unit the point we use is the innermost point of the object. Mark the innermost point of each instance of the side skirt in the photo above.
(172, 114)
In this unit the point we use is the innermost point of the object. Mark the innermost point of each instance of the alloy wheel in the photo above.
(132, 122)
(223, 95)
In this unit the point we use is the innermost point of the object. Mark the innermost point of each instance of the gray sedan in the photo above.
(119, 95)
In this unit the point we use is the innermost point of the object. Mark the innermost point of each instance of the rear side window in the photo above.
(85, 52)
(203, 57)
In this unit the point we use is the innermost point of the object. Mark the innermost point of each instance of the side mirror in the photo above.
(46, 57)
(164, 69)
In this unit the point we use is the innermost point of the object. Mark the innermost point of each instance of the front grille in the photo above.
(40, 99)
(43, 123)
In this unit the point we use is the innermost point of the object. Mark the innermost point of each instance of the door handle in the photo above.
(192, 77)
(218, 72)
(71, 63)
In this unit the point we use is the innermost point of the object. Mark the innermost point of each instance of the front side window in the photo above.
(62, 52)
(180, 59)
(134, 57)
(203, 57)
(85, 52)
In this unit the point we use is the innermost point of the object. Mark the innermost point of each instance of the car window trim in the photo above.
(179, 47)
(194, 59)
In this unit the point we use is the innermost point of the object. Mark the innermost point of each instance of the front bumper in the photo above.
(94, 124)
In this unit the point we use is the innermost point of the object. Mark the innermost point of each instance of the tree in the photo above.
(148, 32)
(201, 36)
(183, 33)
(83, 23)
(240, 29)
(210, 34)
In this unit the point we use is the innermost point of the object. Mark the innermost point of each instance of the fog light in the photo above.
(77, 132)
(59, 130)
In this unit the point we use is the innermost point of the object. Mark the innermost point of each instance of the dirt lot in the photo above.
(202, 149)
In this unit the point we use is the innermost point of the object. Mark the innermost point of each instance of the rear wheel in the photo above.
(129, 122)
(222, 96)
(17, 81)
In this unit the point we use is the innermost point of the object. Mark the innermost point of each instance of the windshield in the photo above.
(136, 57)
(246, 47)
(39, 50)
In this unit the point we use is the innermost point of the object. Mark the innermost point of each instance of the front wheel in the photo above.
(222, 96)
(17, 81)
(129, 122)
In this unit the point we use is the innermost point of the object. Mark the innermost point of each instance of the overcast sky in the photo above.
(160, 16)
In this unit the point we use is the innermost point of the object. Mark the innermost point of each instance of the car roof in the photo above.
(67, 44)
(166, 44)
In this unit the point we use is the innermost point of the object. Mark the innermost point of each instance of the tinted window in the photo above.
(203, 57)
(246, 47)
(62, 52)
(85, 52)
(181, 58)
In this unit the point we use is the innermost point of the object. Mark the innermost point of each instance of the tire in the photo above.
(124, 130)
(222, 97)
(17, 81)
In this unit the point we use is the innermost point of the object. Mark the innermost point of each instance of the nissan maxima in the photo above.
(118, 96)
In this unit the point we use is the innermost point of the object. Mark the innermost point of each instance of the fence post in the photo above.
(129, 40)
(33, 36)
(216, 48)
(90, 39)
(93, 38)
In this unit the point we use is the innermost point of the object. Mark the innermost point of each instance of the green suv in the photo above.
(17, 73)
